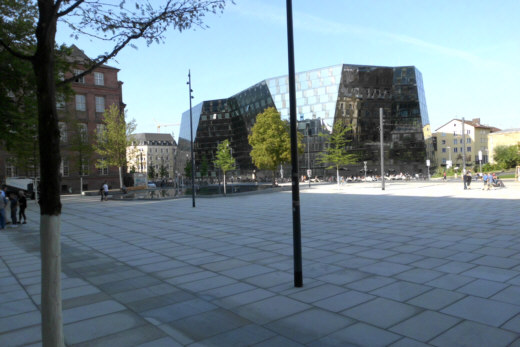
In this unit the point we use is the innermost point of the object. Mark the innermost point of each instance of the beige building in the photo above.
(451, 141)
(508, 137)
(152, 150)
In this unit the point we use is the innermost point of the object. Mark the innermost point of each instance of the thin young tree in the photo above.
(336, 154)
(114, 139)
(224, 160)
(120, 23)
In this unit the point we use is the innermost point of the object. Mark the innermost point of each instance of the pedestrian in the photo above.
(484, 181)
(105, 191)
(444, 176)
(3, 203)
(489, 181)
(467, 179)
(14, 208)
(22, 204)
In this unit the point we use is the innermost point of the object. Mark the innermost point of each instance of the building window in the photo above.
(99, 79)
(455, 141)
(100, 104)
(443, 142)
(63, 132)
(64, 168)
(10, 168)
(468, 132)
(468, 140)
(79, 79)
(444, 160)
(444, 150)
(443, 134)
(100, 129)
(468, 149)
(60, 101)
(455, 149)
(84, 168)
(81, 103)
(102, 167)
(83, 133)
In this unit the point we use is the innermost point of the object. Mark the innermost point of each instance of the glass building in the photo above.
(349, 93)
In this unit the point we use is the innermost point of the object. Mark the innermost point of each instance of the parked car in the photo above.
(151, 185)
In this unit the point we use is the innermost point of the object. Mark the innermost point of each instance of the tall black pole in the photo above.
(381, 138)
(191, 146)
(297, 242)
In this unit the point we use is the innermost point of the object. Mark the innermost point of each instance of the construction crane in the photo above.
(164, 125)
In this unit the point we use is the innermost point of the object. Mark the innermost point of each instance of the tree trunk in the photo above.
(274, 178)
(337, 175)
(120, 178)
(50, 204)
(224, 184)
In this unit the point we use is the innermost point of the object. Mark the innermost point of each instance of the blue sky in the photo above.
(467, 52)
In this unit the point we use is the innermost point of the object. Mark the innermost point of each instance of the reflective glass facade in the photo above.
(351, 93)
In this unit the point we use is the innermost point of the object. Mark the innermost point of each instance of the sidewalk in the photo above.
(416, 264)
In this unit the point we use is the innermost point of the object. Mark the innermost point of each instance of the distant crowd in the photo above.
(13, 205)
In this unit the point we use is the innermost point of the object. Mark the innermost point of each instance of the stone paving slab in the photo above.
(417, 264)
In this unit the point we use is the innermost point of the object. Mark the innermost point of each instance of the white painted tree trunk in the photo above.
(120, 178)
(50, 248)
(224, 183)
(337, 175)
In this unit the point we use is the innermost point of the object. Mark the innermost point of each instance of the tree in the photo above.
(271, 142)
(163, 172)
(204, 166)
(187, 169)
(80, 142)
(151, 172)
(224, 160)
(114, 139)
(507, 156)
(120, 24)
(336, 154)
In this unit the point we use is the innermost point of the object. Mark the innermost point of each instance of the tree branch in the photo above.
(68, 10)
(15, 53)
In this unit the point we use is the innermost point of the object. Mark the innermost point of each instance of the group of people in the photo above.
(488, 179)
(17, 203)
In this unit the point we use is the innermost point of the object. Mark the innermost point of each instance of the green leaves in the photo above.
(336, 154)
(225, 160)
(270, 140)
(114, 139)
(507, 156)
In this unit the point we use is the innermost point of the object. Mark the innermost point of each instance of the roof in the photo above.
(505, 131)
(77, 55)
(475, 122)
(154, 137)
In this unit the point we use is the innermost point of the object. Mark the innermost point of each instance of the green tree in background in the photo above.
(336, 154)
(187, 169)
(151, 172)
(163, 172)
(224, 160)
(114, 139)
(204, 166)
(271, 142)
(507, 156)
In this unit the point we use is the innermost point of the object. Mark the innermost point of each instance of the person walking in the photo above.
(444, 176)
(3, 203)
(484, 181)
(105, 191)
(14, 208)
(22, 204)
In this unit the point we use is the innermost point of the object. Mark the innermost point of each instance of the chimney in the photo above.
(476, 120)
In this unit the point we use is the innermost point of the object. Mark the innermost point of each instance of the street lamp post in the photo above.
(191, 145)
(480, 160)
(365, 167)
(309, 172)
(141, 150)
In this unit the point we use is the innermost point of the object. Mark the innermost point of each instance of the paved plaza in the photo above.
(422, 263)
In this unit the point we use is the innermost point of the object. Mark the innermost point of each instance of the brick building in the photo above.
(80, 115)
